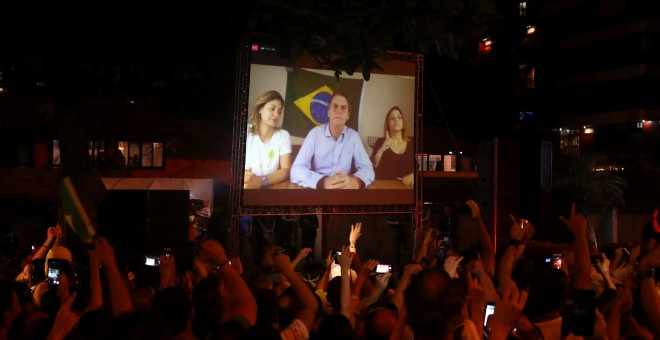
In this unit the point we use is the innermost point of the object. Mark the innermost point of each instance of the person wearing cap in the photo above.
(56, 252)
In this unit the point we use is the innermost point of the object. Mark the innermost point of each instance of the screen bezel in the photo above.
(260, 202)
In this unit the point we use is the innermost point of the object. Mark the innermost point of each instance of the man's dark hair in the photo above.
(432, 300)
(174, 306)
(208, 304)
(548, 289)
(334, 326)
(334, 292)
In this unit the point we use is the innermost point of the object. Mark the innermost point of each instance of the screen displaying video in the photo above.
(308, 134)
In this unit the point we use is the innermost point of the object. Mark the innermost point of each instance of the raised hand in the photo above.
(381, 281)
(65, 319)
(167, 270)
(302, 254)
(508, 310)
(476, 293)
(356, 232)
(281, 260)
(451, 265)
(368, 267)
(387, 143)
(104, 252)
(329, 259)
(634, 254)
(603, 264)
(474, 208)
(346, 258)
(576, 223)
(411, 269)
(517, 229)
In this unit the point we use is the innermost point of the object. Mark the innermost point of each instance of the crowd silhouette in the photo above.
(269, 291)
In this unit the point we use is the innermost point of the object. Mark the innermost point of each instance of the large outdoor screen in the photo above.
(308, 135)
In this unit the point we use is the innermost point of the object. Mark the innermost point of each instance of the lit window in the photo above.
(640, 124)
(142, 154)
(522, 115)
(95, 151)
(56, 153)
(531, 30)
(529, 80)
(569, 141)
(485, 45)
(522, 8)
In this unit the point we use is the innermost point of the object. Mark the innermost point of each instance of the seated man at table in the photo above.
(327, 155)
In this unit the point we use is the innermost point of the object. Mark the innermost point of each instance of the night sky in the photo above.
(182, 57)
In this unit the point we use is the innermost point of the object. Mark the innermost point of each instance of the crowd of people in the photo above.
(332, 155)
(437, 295)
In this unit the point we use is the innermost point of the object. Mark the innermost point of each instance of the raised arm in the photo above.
(507, 262)
(577, 225)
(167, 271)
(408, 271)
(243, 301)
(424, 248)
(95, 290)
(322, 285)
(363, 274)
(345, 260)
(51, 236)
(120, 299)
(354, 236)
(307, 313)
(649, 297)
(485, 241)
(301, 255)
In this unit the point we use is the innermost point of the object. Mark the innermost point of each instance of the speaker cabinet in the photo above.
(143, 222)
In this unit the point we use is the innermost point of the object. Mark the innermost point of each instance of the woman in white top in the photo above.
(267, 148)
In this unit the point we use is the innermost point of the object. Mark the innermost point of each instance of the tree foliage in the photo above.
(350, 35)
(592, 189)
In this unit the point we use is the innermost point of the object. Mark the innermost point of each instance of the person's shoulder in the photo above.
(349, 129)
(282, 133)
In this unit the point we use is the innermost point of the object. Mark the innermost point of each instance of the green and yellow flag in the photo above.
(307, 96)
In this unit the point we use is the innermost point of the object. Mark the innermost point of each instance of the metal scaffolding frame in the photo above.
(241, 113)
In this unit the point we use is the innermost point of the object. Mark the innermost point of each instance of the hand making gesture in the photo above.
(354, 236)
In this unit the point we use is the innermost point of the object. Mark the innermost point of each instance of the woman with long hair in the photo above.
(393, 155)
(267, 147)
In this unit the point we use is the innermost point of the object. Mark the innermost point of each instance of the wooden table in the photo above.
(380, 192)
(377, 184)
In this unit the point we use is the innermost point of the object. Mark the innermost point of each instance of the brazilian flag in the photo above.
(74, 212)
(307, 98)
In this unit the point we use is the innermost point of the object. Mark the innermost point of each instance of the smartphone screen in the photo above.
(441, 253)
(53, 276)
(383, 268)
(54, 268)
(490, 309)
(151, 261)
(556, 261)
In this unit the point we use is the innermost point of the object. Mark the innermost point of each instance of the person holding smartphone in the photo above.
(57, 252)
